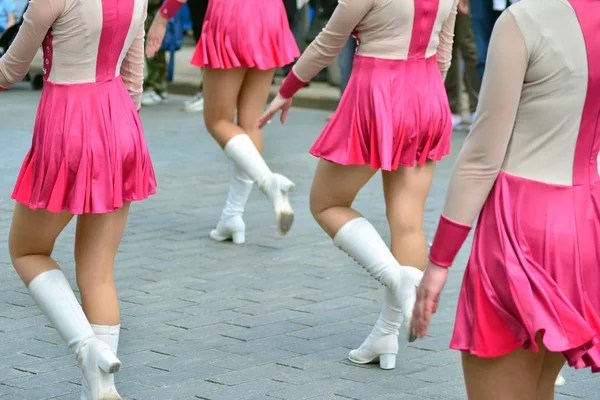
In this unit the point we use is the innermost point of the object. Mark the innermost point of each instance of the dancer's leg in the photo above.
(405, 192)
(333, 191)
(222, 93)
(97, 239)
(520, 375)
(31, 242)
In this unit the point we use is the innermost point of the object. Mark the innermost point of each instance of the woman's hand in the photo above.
(428, 297)
(156, 35)
(278, 103)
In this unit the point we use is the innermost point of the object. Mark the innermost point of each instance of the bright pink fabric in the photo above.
(291, 85)
(533, 267)
(393, 113)
(449, 238)
(88, 153)
(424, 21)
(247, 34)
(535, 261)
(170, 8)
(116, 20)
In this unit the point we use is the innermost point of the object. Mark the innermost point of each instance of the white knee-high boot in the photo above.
(231, 225)
(360, 240)
(109, 335)
(244, 154)
(54, 296)
(382, 342)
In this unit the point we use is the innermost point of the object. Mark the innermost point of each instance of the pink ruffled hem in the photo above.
(88, 153)
(230, 40)
(393, 113)
(533, 269)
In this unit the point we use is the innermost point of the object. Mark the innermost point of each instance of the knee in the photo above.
(316, 206)
(18, 250)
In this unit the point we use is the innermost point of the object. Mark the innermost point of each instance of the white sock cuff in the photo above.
(106, 329)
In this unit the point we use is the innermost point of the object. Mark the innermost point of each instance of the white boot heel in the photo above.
(232, 228)
(387, 361)
(238, 237)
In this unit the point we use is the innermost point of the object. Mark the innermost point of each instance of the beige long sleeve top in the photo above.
(71, 31)
(385, 29)
(528, 116)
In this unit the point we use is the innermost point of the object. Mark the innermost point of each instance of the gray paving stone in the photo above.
(271, 319)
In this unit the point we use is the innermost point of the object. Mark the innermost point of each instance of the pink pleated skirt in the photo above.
(88, 153)
(534, 269)
(245, 34)
(393, 113)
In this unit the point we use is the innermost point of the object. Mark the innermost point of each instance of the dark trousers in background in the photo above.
(484, 18)
(197, 12)
(464, 48)
(291, 10)
(156, 77)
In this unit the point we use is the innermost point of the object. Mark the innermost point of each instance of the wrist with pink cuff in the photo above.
(448, 240)
(170, 8)
(291, 85)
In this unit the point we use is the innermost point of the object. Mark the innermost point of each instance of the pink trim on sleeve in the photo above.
(170, 8)
(291, 85)
(448, 240)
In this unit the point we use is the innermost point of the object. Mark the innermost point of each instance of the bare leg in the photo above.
(406, 191)
(251, 100)
(553, 363)
(520, 375)
(97, 239)
(333, 192)
(223, 90)
(31, 241)
(96, 242)
(511, 377)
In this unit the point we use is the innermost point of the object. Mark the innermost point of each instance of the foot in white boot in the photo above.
(244, 154)
(382, 343)
(360, 240)
(110, 336)
(560, 381)
(54, 296)
(231, 225)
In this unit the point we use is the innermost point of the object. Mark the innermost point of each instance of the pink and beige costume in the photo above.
(88, 153)
(529, 169)
(394, 111)
(242, 34)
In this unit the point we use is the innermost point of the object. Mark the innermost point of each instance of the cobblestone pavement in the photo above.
(272, 319)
